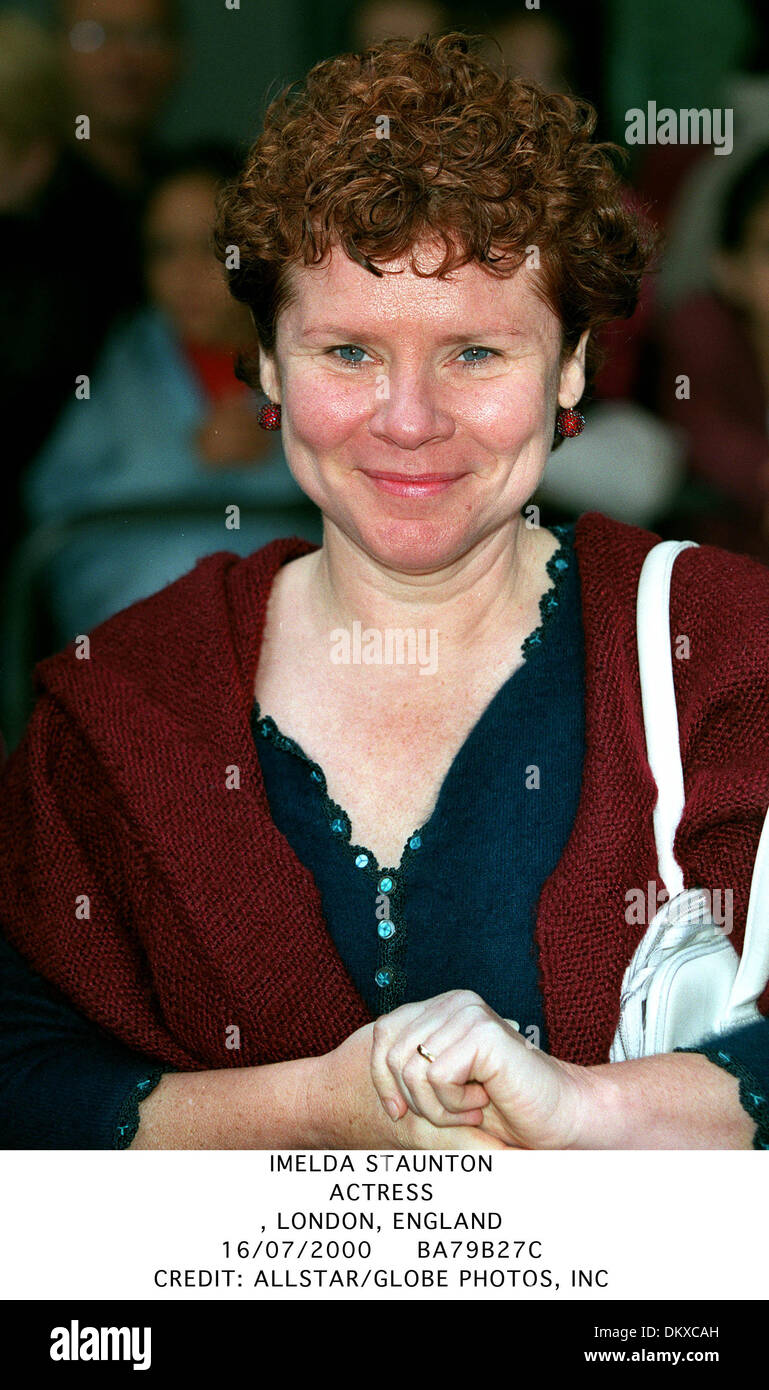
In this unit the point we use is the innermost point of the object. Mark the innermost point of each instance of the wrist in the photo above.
(602, 1119)
(668, 1101)
(282, 1104)
(315, 1127)
(341, 1104)
(332, 1100)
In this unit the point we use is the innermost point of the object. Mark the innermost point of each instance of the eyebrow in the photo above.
(461, 335)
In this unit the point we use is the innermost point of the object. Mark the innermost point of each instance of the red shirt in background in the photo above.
(214, 370)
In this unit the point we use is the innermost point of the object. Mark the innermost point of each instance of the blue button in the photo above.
(338, 826)
(415, 842)
(386, 930)
(361, 860)
(316, 776)
(386, 885)
(383, 978)
(561, 563)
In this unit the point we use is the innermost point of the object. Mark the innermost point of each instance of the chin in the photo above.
(416, 546)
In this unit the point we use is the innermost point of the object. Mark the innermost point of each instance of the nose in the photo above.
(409, 413)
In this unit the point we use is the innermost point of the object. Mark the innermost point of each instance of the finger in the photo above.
(452, 1083)
(391, 1096)
(417, 1076)
(407, 1067)
(412, 1063)
(450, 1077)
(396, 1037)
(455, 1097)
(450, 1074)
(466, 1052)
(394, 1098)
(404, 1029)
(470, 1137)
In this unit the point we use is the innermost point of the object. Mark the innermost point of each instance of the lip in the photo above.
(411, 484)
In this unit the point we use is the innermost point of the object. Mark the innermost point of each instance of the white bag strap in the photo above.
(664, 753)
(658, 697)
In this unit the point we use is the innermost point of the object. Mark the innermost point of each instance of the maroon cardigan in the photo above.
(197, 914)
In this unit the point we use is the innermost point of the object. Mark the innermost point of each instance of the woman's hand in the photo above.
(345, 1112)
(483, 1073)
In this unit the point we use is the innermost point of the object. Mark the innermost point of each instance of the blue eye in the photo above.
(476, 361)
(351, 361)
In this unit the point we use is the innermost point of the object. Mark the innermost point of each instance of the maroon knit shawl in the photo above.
(202, 919)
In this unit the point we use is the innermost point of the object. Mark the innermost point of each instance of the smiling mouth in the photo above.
(411, 484)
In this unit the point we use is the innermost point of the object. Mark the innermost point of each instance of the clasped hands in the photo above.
(454, 1062)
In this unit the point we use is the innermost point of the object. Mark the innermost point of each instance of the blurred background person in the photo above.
(545, 44)
(535, 44)
(689, 204)
(390, 19)
(35, 314)
(167, 425)
(715, 379)
(677, 54)
(70, 208)
(120, 60)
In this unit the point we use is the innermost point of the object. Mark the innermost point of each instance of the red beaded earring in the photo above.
(569, 421)
(269, 416)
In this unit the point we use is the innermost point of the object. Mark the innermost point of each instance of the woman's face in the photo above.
(418, 412)
(184, 278)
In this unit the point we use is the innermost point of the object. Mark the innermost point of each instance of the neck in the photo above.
(477, 600)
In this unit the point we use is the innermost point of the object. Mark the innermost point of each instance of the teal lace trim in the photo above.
(386, 881)
(391, 950)
(753, 1102)
(556, 568)
(128, 1118)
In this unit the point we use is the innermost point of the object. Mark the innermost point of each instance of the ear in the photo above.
(571, 382)
(268, 376)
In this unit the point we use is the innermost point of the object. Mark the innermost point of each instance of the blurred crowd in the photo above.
(110, 293)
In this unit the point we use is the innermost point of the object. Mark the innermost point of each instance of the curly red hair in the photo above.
(483, 163)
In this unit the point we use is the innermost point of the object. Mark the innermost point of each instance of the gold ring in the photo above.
(424, 1053)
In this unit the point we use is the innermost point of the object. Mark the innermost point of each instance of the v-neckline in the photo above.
(340, 824)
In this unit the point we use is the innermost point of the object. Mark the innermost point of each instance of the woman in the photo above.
(166, 427)
(299, 816)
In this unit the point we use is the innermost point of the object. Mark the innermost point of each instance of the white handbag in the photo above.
(685, 981)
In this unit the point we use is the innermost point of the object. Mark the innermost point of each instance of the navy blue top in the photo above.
(457, 911)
